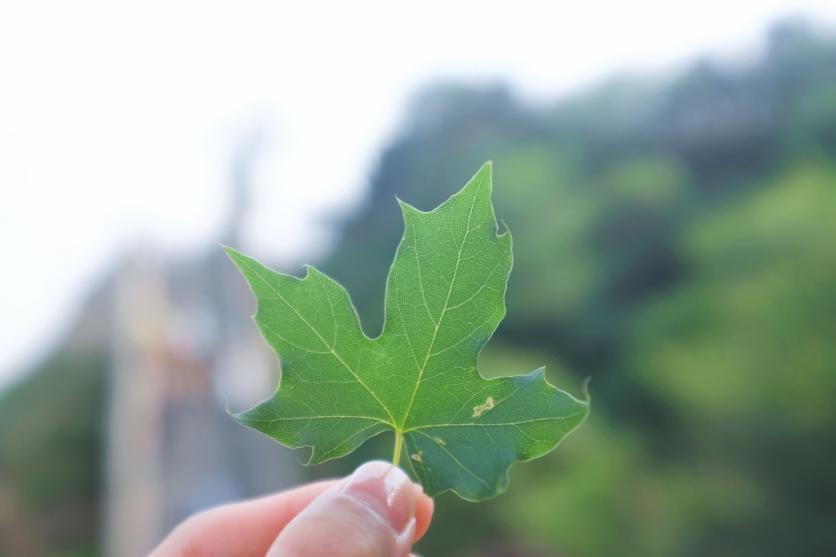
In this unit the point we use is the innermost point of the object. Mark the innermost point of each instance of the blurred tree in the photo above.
(744, 351)
(50, 435)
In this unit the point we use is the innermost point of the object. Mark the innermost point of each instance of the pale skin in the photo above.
(375, 512)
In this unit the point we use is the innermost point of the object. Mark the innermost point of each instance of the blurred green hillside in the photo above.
(674, 239)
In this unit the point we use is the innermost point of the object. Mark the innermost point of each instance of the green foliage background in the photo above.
(675, 241)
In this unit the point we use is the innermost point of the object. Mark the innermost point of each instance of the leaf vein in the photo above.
(446, 301)
(256, 272)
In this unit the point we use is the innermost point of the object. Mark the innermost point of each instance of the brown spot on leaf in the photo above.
(480, 409)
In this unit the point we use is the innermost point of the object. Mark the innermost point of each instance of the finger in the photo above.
(423, 512)
(245, 529)
(373, 513)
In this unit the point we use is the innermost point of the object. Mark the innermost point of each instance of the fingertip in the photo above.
(424, 507)
(377, 511)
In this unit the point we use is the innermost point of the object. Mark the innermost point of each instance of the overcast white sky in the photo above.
(117, 119)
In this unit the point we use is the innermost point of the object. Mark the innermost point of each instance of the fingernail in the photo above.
(385, 490)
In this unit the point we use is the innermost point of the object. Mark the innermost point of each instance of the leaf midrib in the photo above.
(437, 324)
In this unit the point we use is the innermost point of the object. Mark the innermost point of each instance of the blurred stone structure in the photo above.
(183, 346)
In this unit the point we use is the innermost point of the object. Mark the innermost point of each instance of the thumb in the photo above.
(369, 514)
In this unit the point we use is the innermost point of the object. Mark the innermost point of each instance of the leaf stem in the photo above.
(396, 456)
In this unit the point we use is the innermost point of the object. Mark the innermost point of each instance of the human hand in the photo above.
(375, 512)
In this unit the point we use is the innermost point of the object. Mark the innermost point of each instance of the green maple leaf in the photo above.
(445, 296)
